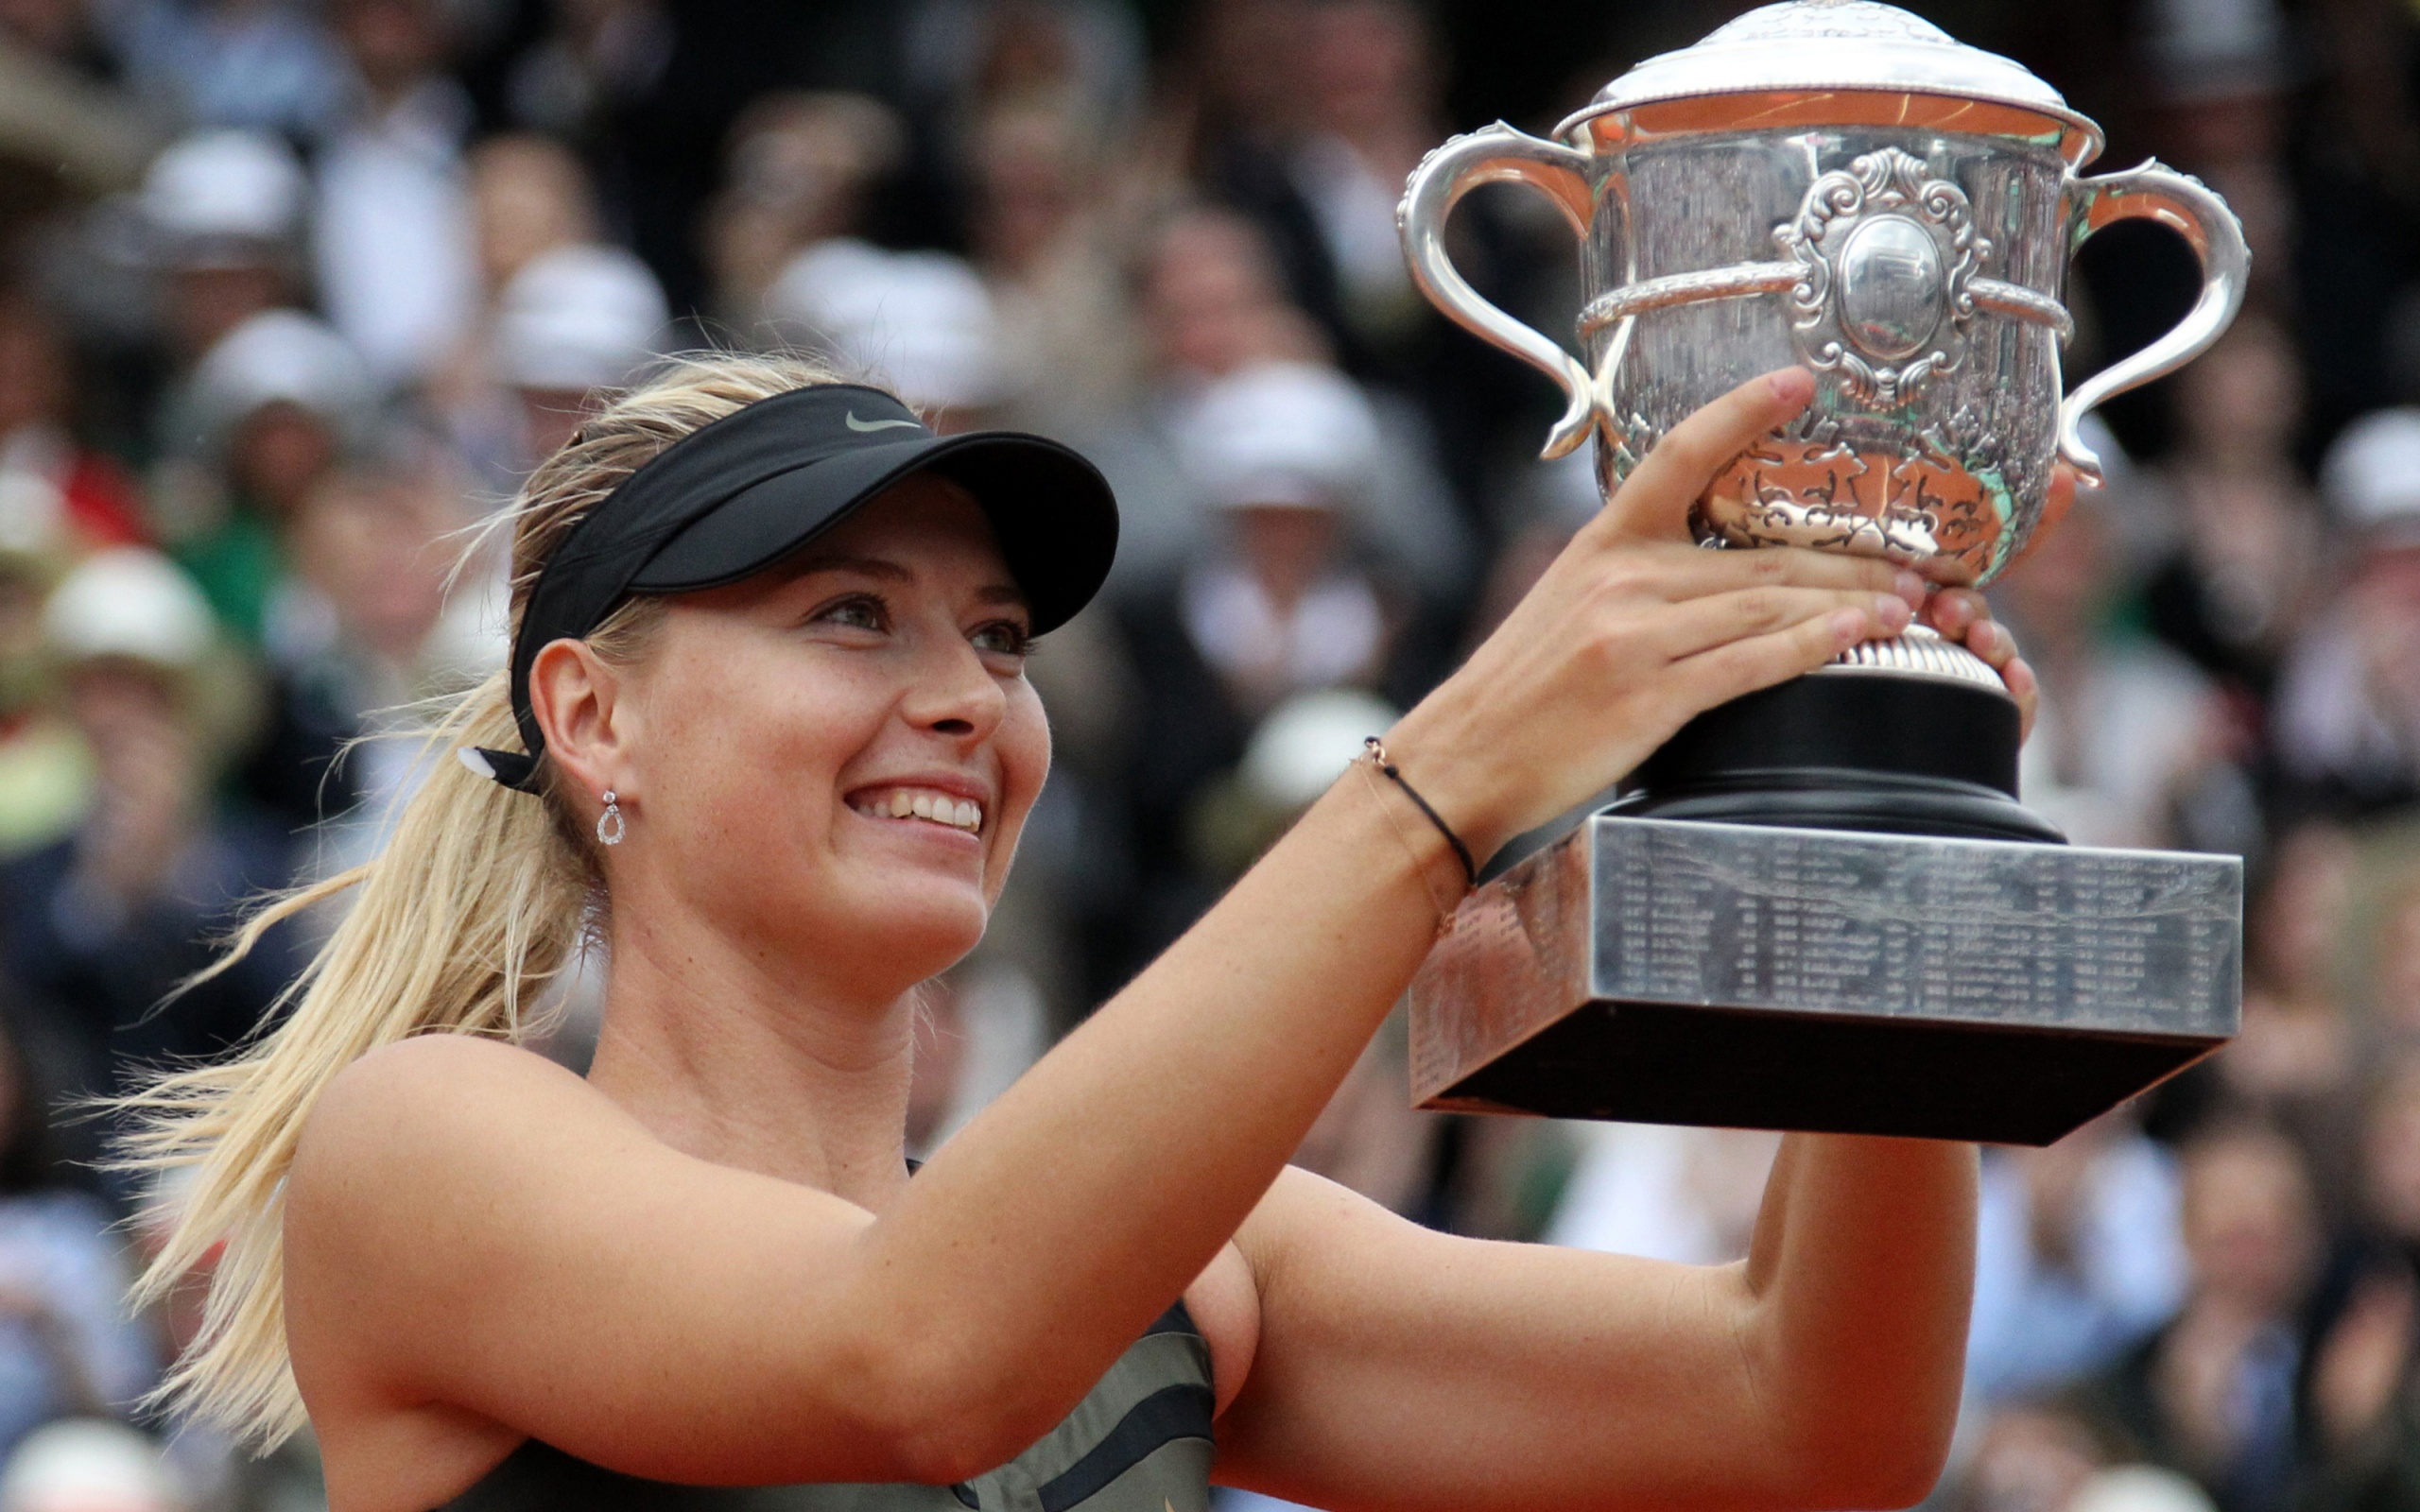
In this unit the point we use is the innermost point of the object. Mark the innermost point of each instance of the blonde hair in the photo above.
(480, 897)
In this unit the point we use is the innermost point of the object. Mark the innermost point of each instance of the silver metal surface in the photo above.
(1837, 184)
(1822, 46)
(1921, 652)
(1734, 915)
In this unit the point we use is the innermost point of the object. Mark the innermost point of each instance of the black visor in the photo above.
(738, 495)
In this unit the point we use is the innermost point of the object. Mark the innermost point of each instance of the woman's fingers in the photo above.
(1717, 619)
(1962, 615)
(1654, 503)
(1740, 667)
(1694, 572)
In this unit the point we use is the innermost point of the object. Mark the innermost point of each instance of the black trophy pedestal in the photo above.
(1821, 907)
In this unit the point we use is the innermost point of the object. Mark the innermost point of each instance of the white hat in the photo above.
(2140, 1489)
(921, 321)
(576, 317)
(282, 357)
(224, 198)
(2372, 475)
(87, 1464)
(1281, 433)
(131, 602)
(1299, 749)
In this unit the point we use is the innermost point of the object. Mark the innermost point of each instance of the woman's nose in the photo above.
(956, 696)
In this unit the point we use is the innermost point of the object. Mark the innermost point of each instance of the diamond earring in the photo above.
(609, 828)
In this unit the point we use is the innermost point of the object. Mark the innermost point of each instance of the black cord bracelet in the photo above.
(1377, 753)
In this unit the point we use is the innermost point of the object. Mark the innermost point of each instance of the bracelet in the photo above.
(1377, 751)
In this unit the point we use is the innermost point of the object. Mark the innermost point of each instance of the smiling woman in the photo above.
(778, 629)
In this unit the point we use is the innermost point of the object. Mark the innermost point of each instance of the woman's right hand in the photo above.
(1634, 630)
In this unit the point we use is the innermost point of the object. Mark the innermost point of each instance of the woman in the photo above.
(777, 745)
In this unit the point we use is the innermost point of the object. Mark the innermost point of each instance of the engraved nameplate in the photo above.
(1685, 972)
(1979, 930)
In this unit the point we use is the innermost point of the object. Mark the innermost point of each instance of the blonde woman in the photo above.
(765, 731)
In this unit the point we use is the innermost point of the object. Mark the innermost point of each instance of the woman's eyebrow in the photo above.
(1004, 594)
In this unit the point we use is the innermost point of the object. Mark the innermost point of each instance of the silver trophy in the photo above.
(1822, 906)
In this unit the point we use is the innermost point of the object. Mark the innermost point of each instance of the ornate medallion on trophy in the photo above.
(1822, 906)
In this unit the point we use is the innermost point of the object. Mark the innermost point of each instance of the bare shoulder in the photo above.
(438, 1077)
(410, 1144)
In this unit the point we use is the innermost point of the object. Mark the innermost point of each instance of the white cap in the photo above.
(1281, 433)
(2140, 1489)
(921, 321)
(1299, 749)
(576, 317)
(282, 357)
(224, 198)
(131, 602)
(88, 1464)
(2372, 477)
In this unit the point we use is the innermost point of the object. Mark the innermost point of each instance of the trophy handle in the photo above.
(1500, 154)
(2184, 205)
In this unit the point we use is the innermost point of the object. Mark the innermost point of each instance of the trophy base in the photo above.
(1821, 907)
(1912, 736)
(1764, 977)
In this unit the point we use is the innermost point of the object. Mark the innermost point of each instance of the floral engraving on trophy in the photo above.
(1885, 253)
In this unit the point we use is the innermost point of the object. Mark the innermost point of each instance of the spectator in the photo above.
(66, 1345)
(1044, 198)
(55, 492)
(2348, 704)
(366, 627)
(223, 210)
(1284, 602)
(58, 502)
(2366, 1322)
(575, 319)
(2212, 1395)
(2078, 1259)
(1368, 101)
(920, 322)
(99, 927)
(269, 411)
(268, 67)
(2295, 1059)
(45, 776)
(528, 195)
(2251, 556)
(397, 252)
(801, 167)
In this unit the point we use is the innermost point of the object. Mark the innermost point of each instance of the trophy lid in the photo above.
(1821, 50)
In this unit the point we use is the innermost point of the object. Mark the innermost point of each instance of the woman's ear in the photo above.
(575, 695)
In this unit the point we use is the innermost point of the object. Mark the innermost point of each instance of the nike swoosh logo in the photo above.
(856, 424)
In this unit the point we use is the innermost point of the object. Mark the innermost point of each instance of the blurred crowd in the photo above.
(293, 293)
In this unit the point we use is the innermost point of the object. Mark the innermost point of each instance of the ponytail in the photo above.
(477, 902)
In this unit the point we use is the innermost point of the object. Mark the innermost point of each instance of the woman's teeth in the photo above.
(907, 802)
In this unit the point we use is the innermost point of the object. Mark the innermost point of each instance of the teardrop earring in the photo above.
(609, 828)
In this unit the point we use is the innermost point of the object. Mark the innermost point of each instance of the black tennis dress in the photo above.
(1139, 1443)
